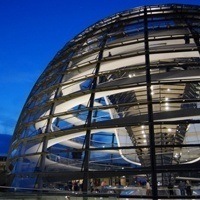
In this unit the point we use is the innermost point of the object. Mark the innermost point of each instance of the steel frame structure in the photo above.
(120, 98)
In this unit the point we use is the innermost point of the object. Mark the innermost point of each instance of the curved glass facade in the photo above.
(119, 103)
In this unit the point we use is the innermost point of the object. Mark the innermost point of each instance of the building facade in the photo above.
(120, 99)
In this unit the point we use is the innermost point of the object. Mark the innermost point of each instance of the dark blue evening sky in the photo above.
(33, 31)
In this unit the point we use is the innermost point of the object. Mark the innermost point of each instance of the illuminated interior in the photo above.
(120, 98)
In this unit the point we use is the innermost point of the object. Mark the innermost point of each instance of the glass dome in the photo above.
(120, 99)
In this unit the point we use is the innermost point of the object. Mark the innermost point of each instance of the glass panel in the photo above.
(23, 183)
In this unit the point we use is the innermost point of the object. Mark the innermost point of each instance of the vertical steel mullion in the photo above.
(42, 162)
(45, 141)
(150, 109)
(89, 120)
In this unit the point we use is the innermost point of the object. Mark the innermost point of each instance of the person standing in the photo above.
(170, 188)
(103, 183)
(148, 188)
(181, 187)
(91, 186)
(188, 188)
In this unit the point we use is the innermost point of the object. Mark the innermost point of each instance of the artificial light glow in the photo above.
(176, 155)
(131, 75)
(93, 70)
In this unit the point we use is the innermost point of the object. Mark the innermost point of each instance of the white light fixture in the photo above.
(166, 108)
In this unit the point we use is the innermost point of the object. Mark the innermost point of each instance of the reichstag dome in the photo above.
(118, 104)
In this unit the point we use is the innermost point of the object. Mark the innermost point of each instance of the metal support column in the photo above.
(150, 110)
(89, 118)
(42, 162)
(45, 141)
(89, 121)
